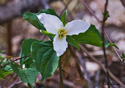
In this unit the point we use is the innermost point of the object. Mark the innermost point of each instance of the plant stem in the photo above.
(60, 73)
(103, 43)
(77, 65)
(116, 51)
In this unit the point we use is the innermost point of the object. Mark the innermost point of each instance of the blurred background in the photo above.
(13, 30)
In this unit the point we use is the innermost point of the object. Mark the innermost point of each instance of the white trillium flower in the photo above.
(54, 25)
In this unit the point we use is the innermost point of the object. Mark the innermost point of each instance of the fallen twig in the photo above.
(102, 66)
(14, 61)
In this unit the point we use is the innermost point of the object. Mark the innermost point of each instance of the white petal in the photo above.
(60, 45)
(41, 17)
(50, 22)
(76, 26)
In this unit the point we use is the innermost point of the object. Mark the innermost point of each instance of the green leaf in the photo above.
(123, 58)
(1, 51)
(27, 75)
(63, 17)
(26, 49)
(91, 36)
(7, 67)
(112, 44)
(32, 18)
(123, 55)
(49, 11)
(47, 33)
(2, 57)
(45, 58)
(50, 35)
(106, 15)
(4, 73)
(71, 41)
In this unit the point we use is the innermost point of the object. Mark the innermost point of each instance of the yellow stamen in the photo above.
(62, 33)
(65, 31)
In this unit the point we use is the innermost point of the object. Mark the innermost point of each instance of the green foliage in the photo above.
(49, 11)
(63, 17)
(7, 67)
(106, 15)
(27, 75)
(123, 57)
(112, 44)
(26, 50)
(91, 36)
(50, 35)
(4, 73)
(32, 18)
(1, 56)
(47, 33)
(1, 51)
(71, 41)
(45, 58)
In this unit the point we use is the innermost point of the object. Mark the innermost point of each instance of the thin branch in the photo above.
(14, 83)
(97, 78)
(7, 81)
(91, 12)
(14, 61)
(65, 7)
(86, 75)
(116, 51)
(77, 64)
(98, 75)
(103, 43)
(11, 86)
(102, 66)
(43, 38)
(60, 72)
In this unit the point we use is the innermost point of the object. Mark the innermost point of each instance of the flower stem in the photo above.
(60, 73)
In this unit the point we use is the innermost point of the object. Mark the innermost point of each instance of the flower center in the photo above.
(62, 33)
